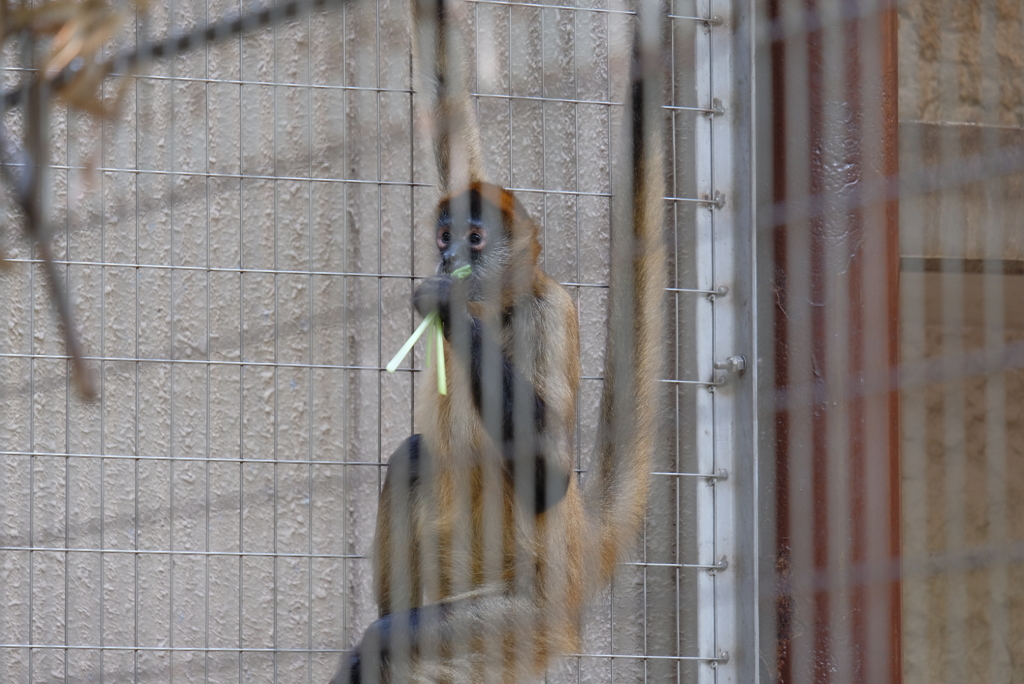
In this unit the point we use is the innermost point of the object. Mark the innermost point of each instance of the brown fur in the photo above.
(517, 583)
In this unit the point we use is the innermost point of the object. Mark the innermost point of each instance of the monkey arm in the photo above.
(512, 411)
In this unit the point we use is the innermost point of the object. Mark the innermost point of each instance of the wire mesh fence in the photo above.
(240, 239)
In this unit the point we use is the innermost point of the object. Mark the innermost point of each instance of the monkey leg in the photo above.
(486, 636)
(396, 548)
(404, 466)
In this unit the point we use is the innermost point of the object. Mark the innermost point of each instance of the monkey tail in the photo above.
(616, 491)
(441, 82)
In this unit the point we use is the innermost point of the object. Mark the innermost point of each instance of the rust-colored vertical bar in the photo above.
(888, 28)
(869, 101)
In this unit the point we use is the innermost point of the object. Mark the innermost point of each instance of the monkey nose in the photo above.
(455, 260)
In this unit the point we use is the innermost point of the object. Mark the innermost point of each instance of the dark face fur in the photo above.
(473, 228)
(463, 231)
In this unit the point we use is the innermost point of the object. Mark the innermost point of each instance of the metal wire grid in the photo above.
(130, 521)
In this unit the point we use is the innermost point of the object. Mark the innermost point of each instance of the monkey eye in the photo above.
(444, 238)
(476, 240)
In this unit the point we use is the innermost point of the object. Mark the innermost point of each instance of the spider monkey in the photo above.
(487, 549)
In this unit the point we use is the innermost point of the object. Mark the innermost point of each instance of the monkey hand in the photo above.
(443, 294)
(433, 294)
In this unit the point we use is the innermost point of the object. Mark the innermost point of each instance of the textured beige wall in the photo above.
(963, 478)
(961, 60)
(963, 191)
(962, 109)
(239, 373)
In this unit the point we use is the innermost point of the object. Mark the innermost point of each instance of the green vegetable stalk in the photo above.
(433, 322)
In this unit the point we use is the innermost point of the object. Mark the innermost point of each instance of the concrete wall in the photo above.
(961, 110)
(243, 414)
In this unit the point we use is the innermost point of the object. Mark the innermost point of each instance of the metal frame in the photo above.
(727, 350)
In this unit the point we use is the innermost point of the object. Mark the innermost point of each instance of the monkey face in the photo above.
(486, 228)
(461, 240)
(473, 230)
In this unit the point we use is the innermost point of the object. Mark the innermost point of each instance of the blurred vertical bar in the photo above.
(834, 265)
